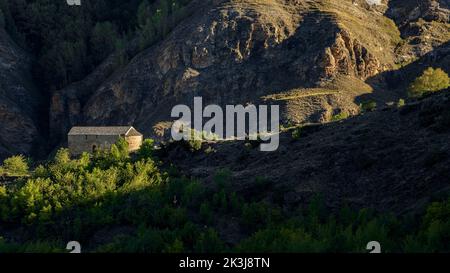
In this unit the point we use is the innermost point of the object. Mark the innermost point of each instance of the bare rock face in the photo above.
(347, 56)
(424, 26)
(19, 101)
(236, 52)
(404, 12)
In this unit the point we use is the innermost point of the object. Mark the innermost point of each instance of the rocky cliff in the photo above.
(233, 52)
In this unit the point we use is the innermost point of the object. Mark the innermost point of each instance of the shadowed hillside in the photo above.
(394, 159)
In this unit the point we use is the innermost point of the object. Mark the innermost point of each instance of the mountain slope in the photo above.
(315, 59)
(233, 52)
(20, 101)
(392, 160)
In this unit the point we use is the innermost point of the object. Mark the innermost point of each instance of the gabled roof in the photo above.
(104, 131)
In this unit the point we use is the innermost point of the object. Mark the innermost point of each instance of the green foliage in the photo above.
(146, 210)
(156, 20)
(195, 144)
(69, 43)
(103, 40)
(4, 203)
(368, 106)
(33, 247)
(147, 149)
(297, 133)
(342, 115)
(195, 140)
(15, 166)
(210, 150)
(401, 103)
(119, 150)
(206, 213)
(209, 242)
(430, 81)
(434, 234)
(258, 215)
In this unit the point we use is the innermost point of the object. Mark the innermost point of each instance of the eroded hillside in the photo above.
(393, 160)
(325, 55)
(315, 59)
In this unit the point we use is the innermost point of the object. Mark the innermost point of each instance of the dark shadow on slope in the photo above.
(405, 11)
(392, 85)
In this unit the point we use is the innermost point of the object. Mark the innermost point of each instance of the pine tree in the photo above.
(103, 40)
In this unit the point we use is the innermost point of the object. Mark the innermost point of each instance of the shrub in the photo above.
(175, 247)
(296, 133)
(195, 141)
(258, 215)
(122, 152)
(209, 242)
(193, 194)
(4, 204)
(195, 144)
(147, 149)
(62, 156)
(15, 165)
(401, 103)
(432, 80)
(206, 214)
(279, 240)
(223, 178)
(210, 150)
(368, 106)
(435, 231)
(220, 201)
(340, 116)
(192, 139)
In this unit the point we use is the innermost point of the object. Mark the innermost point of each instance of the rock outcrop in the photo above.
(235, 52)
(405, 12)
(347, 56)
(424, 26)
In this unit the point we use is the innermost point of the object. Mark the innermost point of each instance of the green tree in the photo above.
(161, 17)
(62, 156)
(147, 149)
(432, 80)
(119, 151)
(209, 242)
(368, 106)
(4, 203)
(143, 13)
(103, 40)
(15, 165)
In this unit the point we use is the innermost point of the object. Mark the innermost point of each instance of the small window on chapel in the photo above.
(85, 137)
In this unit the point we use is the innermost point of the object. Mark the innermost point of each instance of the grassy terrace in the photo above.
(300, 93)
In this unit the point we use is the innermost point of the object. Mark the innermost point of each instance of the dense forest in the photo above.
(116, 202)
(70, 41)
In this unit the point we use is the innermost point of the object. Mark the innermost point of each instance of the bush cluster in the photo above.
(137, 207)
